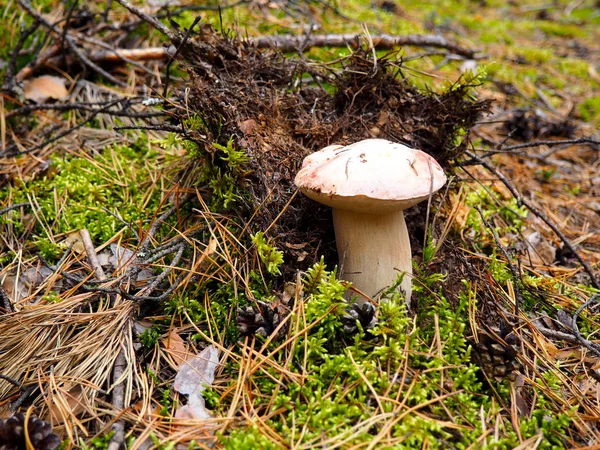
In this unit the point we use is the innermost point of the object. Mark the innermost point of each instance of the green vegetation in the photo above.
(269, 255)
(76, 191)
(344, 385)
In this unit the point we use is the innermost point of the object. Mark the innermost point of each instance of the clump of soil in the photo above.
(525, 125)
(280, 109)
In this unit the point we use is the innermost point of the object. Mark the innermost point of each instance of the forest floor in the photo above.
(164, 284)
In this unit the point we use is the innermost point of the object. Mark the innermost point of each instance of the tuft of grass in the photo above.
(589, 110)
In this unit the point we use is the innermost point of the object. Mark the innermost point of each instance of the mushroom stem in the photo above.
(373, 250)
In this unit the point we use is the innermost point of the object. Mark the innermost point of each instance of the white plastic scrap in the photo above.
(192, 378)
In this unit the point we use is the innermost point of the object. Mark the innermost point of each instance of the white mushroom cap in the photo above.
(373, 176)
(321, 156)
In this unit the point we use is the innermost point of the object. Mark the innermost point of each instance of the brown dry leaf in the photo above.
(74, 241)
(71, 401)
(46, 87)
(175, 346)
(573, 354)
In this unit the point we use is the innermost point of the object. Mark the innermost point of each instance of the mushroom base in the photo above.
(373, 250)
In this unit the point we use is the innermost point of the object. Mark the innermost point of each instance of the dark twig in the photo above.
(12, 207)
(538, 213)
(172, 58)
(11, 380)
(117, 216)
(5, 301)
(151, 20)
(170, 128)
(512, 268)
(582, 340)
(25, 391)
(511, 148)
(11, 68)
(160, 220)
(11, 149)
(152, 286)
(24, 396)
(91, 107)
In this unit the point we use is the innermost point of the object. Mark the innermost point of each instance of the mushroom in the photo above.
(369, 184)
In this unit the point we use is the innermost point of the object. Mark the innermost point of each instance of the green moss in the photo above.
(534, 54)
(575, 67)
(559, 29)
(73, 195)
(589, 110)
(342, 374)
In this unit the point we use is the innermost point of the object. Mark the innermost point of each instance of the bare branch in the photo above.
(289, 43)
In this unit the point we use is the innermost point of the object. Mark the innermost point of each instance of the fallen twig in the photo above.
(567, 337)
(12, 150)
(91, 254)
(12, 207)
(581, 339)
(90, 107)
(512, 148)
(288, 43)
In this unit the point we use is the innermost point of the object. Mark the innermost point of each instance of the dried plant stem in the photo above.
(511, 266)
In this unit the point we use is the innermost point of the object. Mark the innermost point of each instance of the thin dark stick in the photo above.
(538, 213)
(581, 339)
(149, 19)
(160, 220)
(8, 151)
(89, 107)
(106, 11)
(11, 68)
(170, 128)
(10, 208)
(12, 381)
(123, 221)
(24, 396)
(174, 55)
(5, 301)
(511, 148)
(149, 289)
(512, 268)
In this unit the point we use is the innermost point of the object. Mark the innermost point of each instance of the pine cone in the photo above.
(496, 354)
(12, 434)
(363, 314)
(261, 319)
